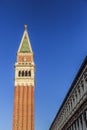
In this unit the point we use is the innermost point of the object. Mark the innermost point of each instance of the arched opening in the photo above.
(29, 73)
(25, 73)
(19, 74)
(22, 73)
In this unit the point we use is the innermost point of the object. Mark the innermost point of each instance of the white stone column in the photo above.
(73, 126)
(85, 119)
(79, 94)
(85, 86)
(80, 125)
(75, 99)
(77, 127)
(81, 91)
(84, 124)
(73, 103)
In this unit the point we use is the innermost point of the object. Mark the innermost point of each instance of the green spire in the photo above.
(25, 46)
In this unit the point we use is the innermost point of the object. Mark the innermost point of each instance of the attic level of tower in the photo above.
(25, 57)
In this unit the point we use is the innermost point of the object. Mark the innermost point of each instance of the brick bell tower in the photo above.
(23, 115)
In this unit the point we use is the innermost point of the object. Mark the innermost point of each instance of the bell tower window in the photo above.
(25, 73)
(22, 73)
(29, 73)
(19, 74)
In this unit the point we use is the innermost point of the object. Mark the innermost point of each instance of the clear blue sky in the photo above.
(58, 34)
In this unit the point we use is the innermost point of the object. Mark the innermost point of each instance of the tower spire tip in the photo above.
(26, 27)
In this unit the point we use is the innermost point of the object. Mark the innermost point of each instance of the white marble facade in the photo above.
(72, 115)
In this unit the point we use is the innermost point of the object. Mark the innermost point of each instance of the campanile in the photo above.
(23, 114)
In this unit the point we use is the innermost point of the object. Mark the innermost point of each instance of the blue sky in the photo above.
(58, 35)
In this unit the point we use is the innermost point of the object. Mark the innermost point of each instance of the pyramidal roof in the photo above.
(25, 46)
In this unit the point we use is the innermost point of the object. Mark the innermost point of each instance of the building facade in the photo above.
(72, 114)
(23, 114)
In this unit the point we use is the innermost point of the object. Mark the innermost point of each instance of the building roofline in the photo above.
(70, 89)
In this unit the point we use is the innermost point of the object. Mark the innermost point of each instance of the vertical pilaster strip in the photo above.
(29, 107)
(32, 109)
(15, 120)
(20, 106)
(13, 125)
(25, 108)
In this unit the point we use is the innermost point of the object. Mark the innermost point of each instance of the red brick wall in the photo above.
(23, 116)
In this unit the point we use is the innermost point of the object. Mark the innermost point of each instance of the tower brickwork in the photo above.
(23, 114)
